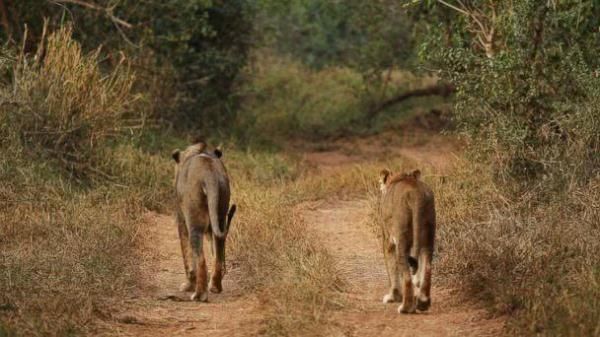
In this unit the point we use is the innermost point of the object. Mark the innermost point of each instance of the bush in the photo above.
(283, 99)
(530, 107)
(525, 225)
(61, 105)
(203, 43)
(70, 246)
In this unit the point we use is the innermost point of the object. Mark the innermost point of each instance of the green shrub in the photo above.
(525, 224)
(284, 99)
(531, 106)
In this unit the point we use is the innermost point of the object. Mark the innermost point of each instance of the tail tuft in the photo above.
(413, 264)
(230, 215)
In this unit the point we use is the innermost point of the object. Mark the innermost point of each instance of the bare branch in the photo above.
(454, 7)
(484, 29)
(108, 11)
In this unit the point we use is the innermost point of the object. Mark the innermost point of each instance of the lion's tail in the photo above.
(232, 210)
(213, 198)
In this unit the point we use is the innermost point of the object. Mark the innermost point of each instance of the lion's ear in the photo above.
(383, 176)
(175, 155)
(416, 174)
(218, 153)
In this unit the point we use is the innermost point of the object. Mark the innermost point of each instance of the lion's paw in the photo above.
(408, 309)
(423, 303)
(186, 286)
(203, 297)
(389, 298)
(215, 288)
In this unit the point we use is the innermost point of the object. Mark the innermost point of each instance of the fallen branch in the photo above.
(443, 90)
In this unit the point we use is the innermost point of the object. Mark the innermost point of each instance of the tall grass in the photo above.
(69, 246)
(61, 105)
(280, 260)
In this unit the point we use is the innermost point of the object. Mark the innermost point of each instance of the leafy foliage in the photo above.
(531, 102)
(205, 41)
(364, 35)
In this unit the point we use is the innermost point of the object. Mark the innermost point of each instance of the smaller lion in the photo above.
(202, 208)
(407, 218)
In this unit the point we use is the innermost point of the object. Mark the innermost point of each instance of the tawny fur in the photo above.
(407, 218)
(202, 203)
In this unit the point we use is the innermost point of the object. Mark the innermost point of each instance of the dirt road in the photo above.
(341, 225)
(160, 310)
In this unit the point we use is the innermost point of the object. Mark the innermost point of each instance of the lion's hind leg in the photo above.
(184, 240)
(199, 264)
(424, 275)
(408, 296)
(389, 254)
(219, 265)
(402, 260)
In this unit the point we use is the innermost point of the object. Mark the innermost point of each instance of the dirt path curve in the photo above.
(159, 309)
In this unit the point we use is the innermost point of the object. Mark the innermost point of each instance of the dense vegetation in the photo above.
(91, 89)
(527, 84)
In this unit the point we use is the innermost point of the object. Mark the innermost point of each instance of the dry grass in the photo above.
(67, 249)
(280, 261)
(536, 262)
(62, 105)
(68, 245)
(58, 261)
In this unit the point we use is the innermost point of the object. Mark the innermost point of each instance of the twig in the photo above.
(107, 11)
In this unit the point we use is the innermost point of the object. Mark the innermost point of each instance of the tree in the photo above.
(205, 41)
(525, 76)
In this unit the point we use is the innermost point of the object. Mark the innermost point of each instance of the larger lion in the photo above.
(407, 218)
(202, 196)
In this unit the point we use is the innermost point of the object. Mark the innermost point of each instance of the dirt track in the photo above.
(341, 225)
(161, 310)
